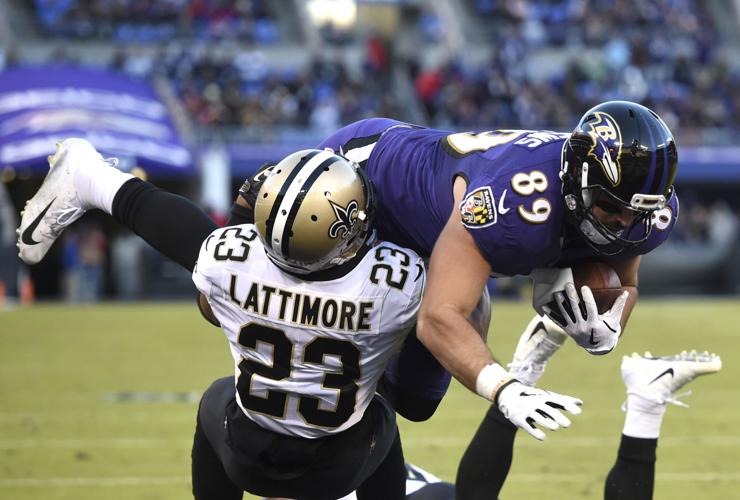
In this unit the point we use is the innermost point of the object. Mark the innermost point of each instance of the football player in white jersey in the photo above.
(300, 296)
(312, 307)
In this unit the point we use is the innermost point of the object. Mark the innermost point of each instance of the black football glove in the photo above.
(252, 186)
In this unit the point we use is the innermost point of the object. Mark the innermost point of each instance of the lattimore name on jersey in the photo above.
(330, 313)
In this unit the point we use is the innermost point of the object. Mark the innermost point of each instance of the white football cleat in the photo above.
(56, 204)
(658, 378)
(537, 344)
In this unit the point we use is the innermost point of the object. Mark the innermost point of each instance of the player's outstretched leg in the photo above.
(651, 383)
(65, 195)
(80, 179)
(537, 344)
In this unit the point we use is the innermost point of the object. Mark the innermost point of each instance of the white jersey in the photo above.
(307, 355)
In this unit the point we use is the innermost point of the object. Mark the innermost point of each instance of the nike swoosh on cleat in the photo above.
(669, 371)
(609, 326)
(27, 236)
(591, 338)
(526, 394)
(540, 326)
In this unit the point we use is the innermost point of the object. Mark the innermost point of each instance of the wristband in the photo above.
(490, 380)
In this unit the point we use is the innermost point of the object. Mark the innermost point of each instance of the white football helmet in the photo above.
(314, 211)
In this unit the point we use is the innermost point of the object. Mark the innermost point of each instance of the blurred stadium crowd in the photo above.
(145, 21)
(663, 53)
(289, 72)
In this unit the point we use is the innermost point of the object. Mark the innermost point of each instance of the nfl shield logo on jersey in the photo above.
(478, 208)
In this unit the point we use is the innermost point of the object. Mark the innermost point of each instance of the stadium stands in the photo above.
(157, 21)
(663, 53)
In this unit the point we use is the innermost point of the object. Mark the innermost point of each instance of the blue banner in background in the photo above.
(120, 116)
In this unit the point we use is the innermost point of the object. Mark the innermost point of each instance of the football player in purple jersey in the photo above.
(513, 202)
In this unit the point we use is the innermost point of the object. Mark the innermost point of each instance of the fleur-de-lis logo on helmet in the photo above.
(345, 219)
(606, 138)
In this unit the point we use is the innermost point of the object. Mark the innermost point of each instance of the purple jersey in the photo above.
(513, 206)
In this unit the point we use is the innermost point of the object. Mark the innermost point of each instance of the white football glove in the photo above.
(526, 406)
(597, 333)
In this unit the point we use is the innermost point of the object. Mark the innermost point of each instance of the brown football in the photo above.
(601, 278)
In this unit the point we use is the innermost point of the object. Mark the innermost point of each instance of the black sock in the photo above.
(633, 475)
(173, 225)
(487, 460)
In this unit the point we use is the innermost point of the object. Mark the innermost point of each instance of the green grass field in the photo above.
(99, 402)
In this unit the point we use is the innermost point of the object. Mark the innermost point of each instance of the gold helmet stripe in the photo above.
(295, 186)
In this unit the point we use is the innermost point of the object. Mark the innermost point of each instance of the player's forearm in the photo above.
(455, 343)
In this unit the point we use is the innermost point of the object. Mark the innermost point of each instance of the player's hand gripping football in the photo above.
(526, 406)
(580, 318)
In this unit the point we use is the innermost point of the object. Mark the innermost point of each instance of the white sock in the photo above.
(98, 185)
(643, 418)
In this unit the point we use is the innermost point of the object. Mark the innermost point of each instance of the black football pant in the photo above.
(232, 454)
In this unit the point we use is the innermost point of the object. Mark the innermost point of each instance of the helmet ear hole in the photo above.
(314, 218)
